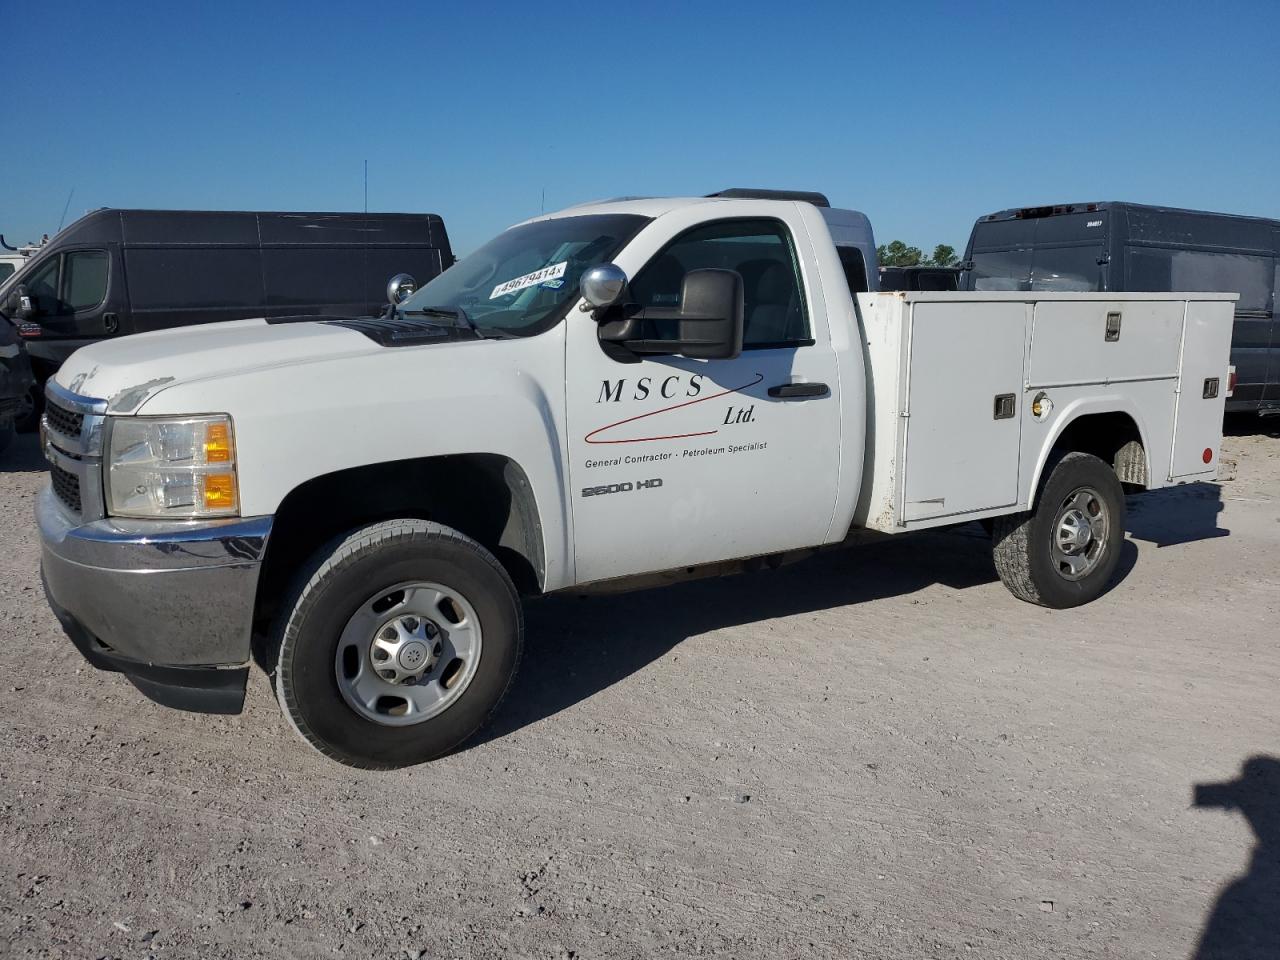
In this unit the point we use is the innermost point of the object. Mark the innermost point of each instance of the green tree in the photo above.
(943, 256)
(895, 253)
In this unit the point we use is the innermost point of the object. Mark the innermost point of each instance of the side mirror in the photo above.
(709, 320)
(602, 285)
(400, 288)
(711, 315)
(26, 306)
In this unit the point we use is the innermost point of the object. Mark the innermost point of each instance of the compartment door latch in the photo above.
(1113, 327)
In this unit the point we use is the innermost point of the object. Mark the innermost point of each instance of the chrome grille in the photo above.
(72, 429)
(66, 486)
(63, 421)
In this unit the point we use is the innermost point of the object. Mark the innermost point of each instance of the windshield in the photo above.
(521, 282)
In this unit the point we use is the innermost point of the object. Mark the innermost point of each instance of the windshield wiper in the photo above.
(455, 313)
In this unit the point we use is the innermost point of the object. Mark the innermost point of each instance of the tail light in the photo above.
(1231, 380)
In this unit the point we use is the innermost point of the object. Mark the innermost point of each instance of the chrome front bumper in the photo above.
(168, 603)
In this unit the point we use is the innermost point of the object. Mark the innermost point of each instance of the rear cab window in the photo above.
(855, 269)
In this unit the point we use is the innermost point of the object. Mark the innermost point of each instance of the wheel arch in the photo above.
(1110, 429)
(486, 496)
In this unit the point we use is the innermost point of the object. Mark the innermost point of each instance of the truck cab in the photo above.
(10, 263)
(13, 259)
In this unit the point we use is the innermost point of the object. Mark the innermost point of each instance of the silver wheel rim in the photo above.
(408, 653)
(1078, 538)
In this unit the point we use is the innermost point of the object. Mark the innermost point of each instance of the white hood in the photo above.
(129, 370)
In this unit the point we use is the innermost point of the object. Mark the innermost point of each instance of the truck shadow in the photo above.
(1244, 923)
(23, 455)
(1176, 515)
(577, 646)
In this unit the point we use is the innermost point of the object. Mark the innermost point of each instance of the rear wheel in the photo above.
(399, 646)
(1064, 552)
(6, 435)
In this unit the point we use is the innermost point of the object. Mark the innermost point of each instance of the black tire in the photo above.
(337, 582)
(27, 419)
(6, 435)
(1022, 543)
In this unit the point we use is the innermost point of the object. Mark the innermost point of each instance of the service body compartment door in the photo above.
(1206, 343)
(1104, 341)
(964, 394)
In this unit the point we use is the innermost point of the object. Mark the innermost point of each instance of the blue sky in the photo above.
(922, 115)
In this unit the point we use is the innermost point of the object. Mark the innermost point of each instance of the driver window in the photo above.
(84, 279)
(761, 252)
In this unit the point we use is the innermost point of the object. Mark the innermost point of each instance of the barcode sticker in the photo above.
(553, 272)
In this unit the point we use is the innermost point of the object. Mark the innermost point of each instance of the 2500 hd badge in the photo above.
(621, 487)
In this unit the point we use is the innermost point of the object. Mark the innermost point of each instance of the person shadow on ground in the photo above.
(1245, 923)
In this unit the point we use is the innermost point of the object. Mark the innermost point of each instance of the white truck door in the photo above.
(675, 462)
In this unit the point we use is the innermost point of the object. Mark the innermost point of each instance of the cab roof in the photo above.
(653, 207)
(641, 206)
(848, 228)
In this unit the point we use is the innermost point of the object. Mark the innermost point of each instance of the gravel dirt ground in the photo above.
(876, 753)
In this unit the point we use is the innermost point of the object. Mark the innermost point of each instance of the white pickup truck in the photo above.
(622, 391)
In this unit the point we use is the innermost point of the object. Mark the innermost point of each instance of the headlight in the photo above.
(181, 467)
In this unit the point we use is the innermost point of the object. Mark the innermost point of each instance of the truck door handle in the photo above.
(799, 391)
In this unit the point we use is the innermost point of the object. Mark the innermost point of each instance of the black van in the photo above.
(1137, 248)
(115, 272)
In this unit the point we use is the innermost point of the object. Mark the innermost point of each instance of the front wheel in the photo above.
(1064, 552)
(399, 646)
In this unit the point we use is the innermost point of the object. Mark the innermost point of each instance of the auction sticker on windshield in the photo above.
(553, 272)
